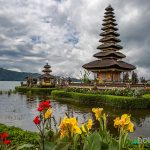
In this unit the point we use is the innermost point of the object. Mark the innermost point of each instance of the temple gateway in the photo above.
(109, 64)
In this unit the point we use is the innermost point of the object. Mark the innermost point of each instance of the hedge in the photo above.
(34, 90)
(118, 92)
(146, 96)
(97, 99)
(18, 136)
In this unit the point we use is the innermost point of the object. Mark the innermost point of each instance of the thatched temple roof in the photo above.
(109, 54)
(107, 64)
(48, 76)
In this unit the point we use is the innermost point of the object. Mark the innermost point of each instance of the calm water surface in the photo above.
(19, 110)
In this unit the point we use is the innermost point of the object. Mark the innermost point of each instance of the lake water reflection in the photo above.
(19, 110)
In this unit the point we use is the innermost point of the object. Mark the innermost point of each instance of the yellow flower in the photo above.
(83, 128)
(73, 121)
(130, 127)
(124, 123)
(48, 113)
(89, 124)
(63, 134)
(116, 122)
(98, 112)
(69, 127)
(125, 119)
(77, 130)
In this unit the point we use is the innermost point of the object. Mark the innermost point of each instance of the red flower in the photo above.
(40, 109)
(4, 135)
(43, 105)
(7, 142)
(47, 104)
(37, 120)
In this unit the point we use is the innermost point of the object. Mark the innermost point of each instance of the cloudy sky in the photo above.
(66, 32)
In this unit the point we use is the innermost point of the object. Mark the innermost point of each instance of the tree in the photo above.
(69, 80)
(142, 79)
(134, 79)
(85, 76)
(126, 77)
(123, 78)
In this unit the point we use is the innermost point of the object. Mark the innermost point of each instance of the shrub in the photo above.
(98, 99)
(19, 136)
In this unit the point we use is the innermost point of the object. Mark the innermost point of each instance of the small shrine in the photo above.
(109, 65)
(46, 79)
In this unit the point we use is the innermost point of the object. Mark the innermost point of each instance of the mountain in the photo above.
(9, 75)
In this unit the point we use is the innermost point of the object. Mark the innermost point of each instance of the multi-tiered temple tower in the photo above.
(109, 65)
(46, 79)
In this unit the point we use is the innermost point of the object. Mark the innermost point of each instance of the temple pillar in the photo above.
(108, 76)
(117, 76)
(113, 76)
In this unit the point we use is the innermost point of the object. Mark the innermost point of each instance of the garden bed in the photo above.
(98, 99)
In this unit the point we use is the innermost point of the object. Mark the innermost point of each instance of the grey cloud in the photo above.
(68, 48)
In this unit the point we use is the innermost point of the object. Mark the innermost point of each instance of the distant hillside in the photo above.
(9, 75)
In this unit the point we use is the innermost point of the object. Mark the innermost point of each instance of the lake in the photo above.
(19, 110)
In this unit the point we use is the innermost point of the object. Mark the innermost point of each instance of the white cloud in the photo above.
(15, 69)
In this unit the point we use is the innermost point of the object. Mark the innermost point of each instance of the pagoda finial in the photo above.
(109, 7)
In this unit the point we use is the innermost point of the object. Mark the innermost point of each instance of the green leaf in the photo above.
(56, 146)
(93, 142)
(113, 145)
(62, 146)
(25, 146)
(48, 145)
(75, 141)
